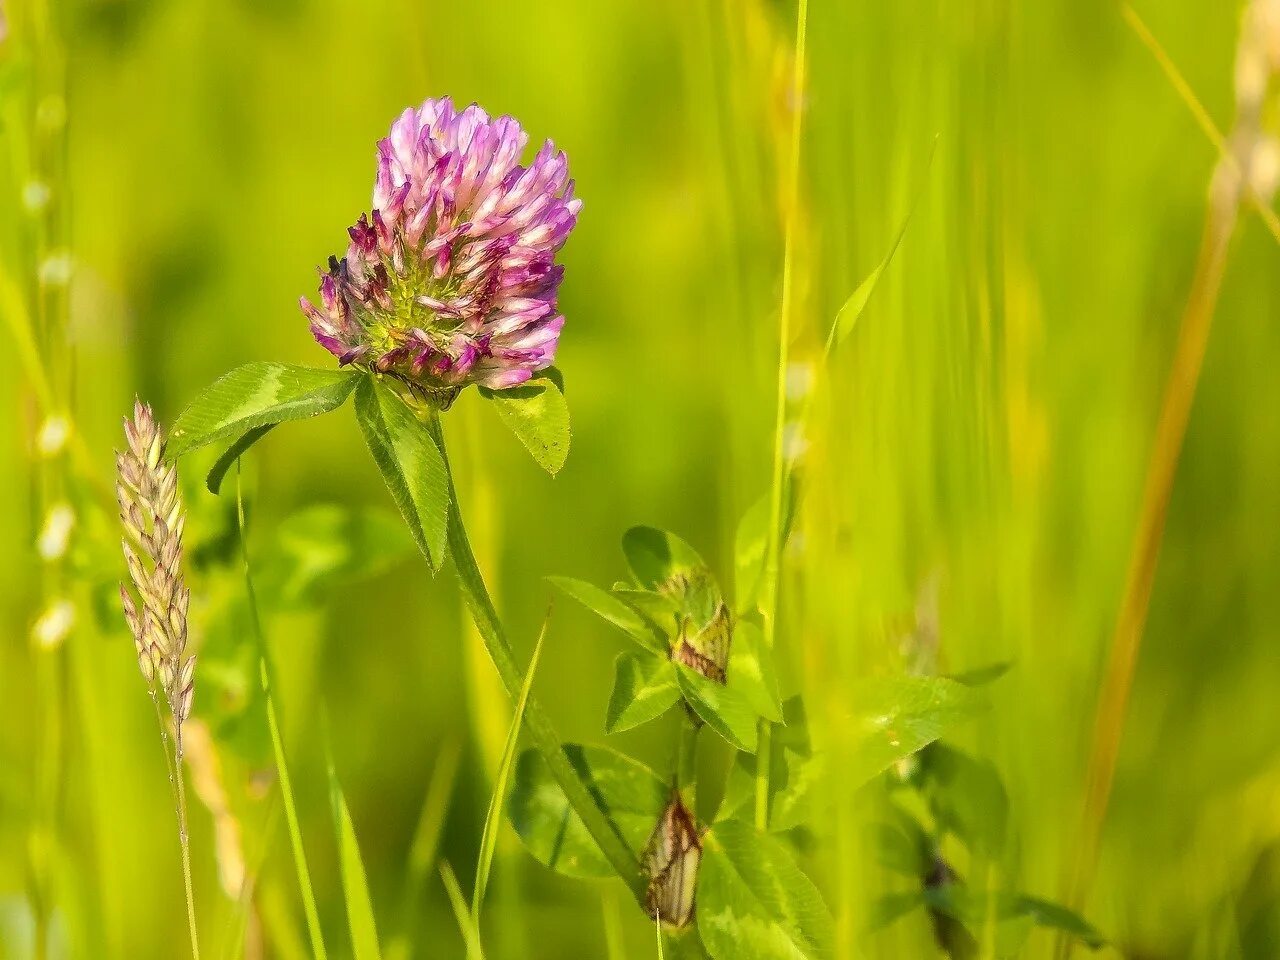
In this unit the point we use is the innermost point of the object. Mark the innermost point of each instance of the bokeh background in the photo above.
(171, 173)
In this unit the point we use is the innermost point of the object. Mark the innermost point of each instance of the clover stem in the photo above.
(687, 762)
(481, 608)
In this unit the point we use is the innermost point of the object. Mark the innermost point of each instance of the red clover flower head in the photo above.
(452, 278)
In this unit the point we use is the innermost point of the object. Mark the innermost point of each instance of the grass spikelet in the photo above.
(152, 515)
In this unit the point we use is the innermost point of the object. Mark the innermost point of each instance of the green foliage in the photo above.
(981, 676)
(231, 456)
(1010, 917)
(630, 792)
(410, 462)
(255, 396)
(754, 903)
(665, 564)
(613, 610)
(948, 793)
(355, 885)
(644, 688)
(536, 412)
(679, 601)
(966, 797)
(752, 540)
(751, 671)
(724, 708)
(897, 716)
(660, 610)
(794, 774)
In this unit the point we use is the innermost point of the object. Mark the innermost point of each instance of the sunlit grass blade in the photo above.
(470, 933)
(355, 884)
(426, 842)
(848, 315)
(291, 816)
(277, 742)
(493, 819)
(657, 925)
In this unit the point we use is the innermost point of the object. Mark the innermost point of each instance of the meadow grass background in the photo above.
(986, 427)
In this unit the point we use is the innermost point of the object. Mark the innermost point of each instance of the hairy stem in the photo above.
(185, 842)
(773, 553)
(480, 606)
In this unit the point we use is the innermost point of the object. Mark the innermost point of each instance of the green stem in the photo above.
(480, 606)
(185, 842)
(687, 762)
(773, 554)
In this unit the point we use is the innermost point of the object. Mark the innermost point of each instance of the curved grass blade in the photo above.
(213, 480)
(470, 932)
(848, 315)
(355, 884)
(492, 820)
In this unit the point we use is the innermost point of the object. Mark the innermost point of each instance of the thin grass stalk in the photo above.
(426, 842)
(480, 605)
(466, 923)
(310, 911)
(773, 554)
(1230, 186)
(1122, 659)
(493, 818)
(186, 845)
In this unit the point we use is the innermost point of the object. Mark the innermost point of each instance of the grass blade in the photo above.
(493, 819)
(291, 816)
(470, 933)
(355, 885)
(847, 317)
(426, 841)
(277, 743)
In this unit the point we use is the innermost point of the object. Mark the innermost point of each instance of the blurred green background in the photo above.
(987, 428)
